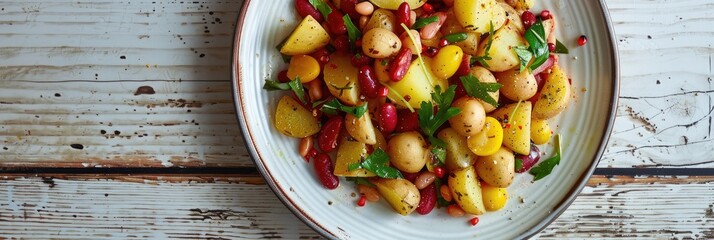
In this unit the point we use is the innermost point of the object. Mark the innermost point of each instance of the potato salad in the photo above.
(425, 104)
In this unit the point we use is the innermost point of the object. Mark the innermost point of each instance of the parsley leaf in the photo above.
(430, 122)
(538, 46)
(440, 154)
(377, 163)
(353, 32)
(422, 22)
(546, 167)
(294, 85)
(486, 56)
(360, 181)
(321, 6)
(560, 48)
(519, 164)
(524, 56)
(333, 106)
(480, 90)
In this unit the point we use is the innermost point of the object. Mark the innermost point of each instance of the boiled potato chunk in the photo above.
(554, 97)
(521, 5)
(400, 193)
(416, 85)
(394, 4)
(514, 18)
(517, 132)
(494, 198)
(502, 55)
(408, 151)
(489, 140)
(361, 128)
(350, 152)
(497, 170)
(477, 15)
(380, 43)
(381, 18)
(466, 190)
(540, 131)
(517, 85)
(294, 120)
(307, 37)
(471, 119)
(458, 154)
(341, 78)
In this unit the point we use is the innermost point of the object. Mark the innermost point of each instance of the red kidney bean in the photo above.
(400, 65)
(427, 200)
(304, 8)
(341, 43)
(407, 121)
(323, 168)
(465, 66)
(358, 60)
(529, 160)
(283, 76)
(368, 81)
(387, 120)
(348, 7)
(410, 176)
(404, 12)
(322, 55)
(330, 132)
(336, 23)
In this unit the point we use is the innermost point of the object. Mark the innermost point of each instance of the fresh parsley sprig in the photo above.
(537, 52)
(335, 105)
(294, 85)
(321, 6)
(353, 32)
(430, 122)
(546, 167)
(560, 48)
(481, 90)
(486, 55)
(377, 164)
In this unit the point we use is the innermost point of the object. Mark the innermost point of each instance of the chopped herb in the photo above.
(486, 54)
(342, 89)
(384, 62)
(334, 105)
(353, 32)
(546, 167)
(286, 58)
(294, 85)
(480, 90)
(440, 201)
(430, 122)
(456, 37)
(440, 154)
(361, 181)
(560, 48)
(422, 22)
(537, 45)
(322, 7)
(318, 103)
(377, 164)
(524, 56)
(519, 164)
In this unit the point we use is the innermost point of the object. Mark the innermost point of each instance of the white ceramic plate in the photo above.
(585, 127)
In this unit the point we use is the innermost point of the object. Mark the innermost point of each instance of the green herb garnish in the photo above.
(519, 164)
(440, 154)
(456, 37)
(430, 122)
(537, 47)
(422, 22)
(486, 55)
(353, 32)
(560, 48)
(546, 167)
(377, 164)
(294, 85)
(524, 57)
(335, 105)
(360, 181)
(480, 90)
(322, 7)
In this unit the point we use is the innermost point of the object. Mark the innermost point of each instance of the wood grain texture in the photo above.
(228, 207)
(69, 70)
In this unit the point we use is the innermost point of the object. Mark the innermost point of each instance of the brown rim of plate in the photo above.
(300, 213)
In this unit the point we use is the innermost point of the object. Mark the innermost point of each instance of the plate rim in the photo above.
(256, 157)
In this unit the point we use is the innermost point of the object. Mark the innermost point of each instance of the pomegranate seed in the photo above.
(383, 92)
(439, 172)
(443, 43)
(551, 47)
(362, 201)
(582, 40)
(545, 15)
(431, 52)
(428, 8)
(528, 19)
(474, 221)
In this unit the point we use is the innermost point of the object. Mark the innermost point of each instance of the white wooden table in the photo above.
(116, 121)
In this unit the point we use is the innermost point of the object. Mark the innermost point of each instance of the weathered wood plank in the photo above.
(94, 54)
(207, 206)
